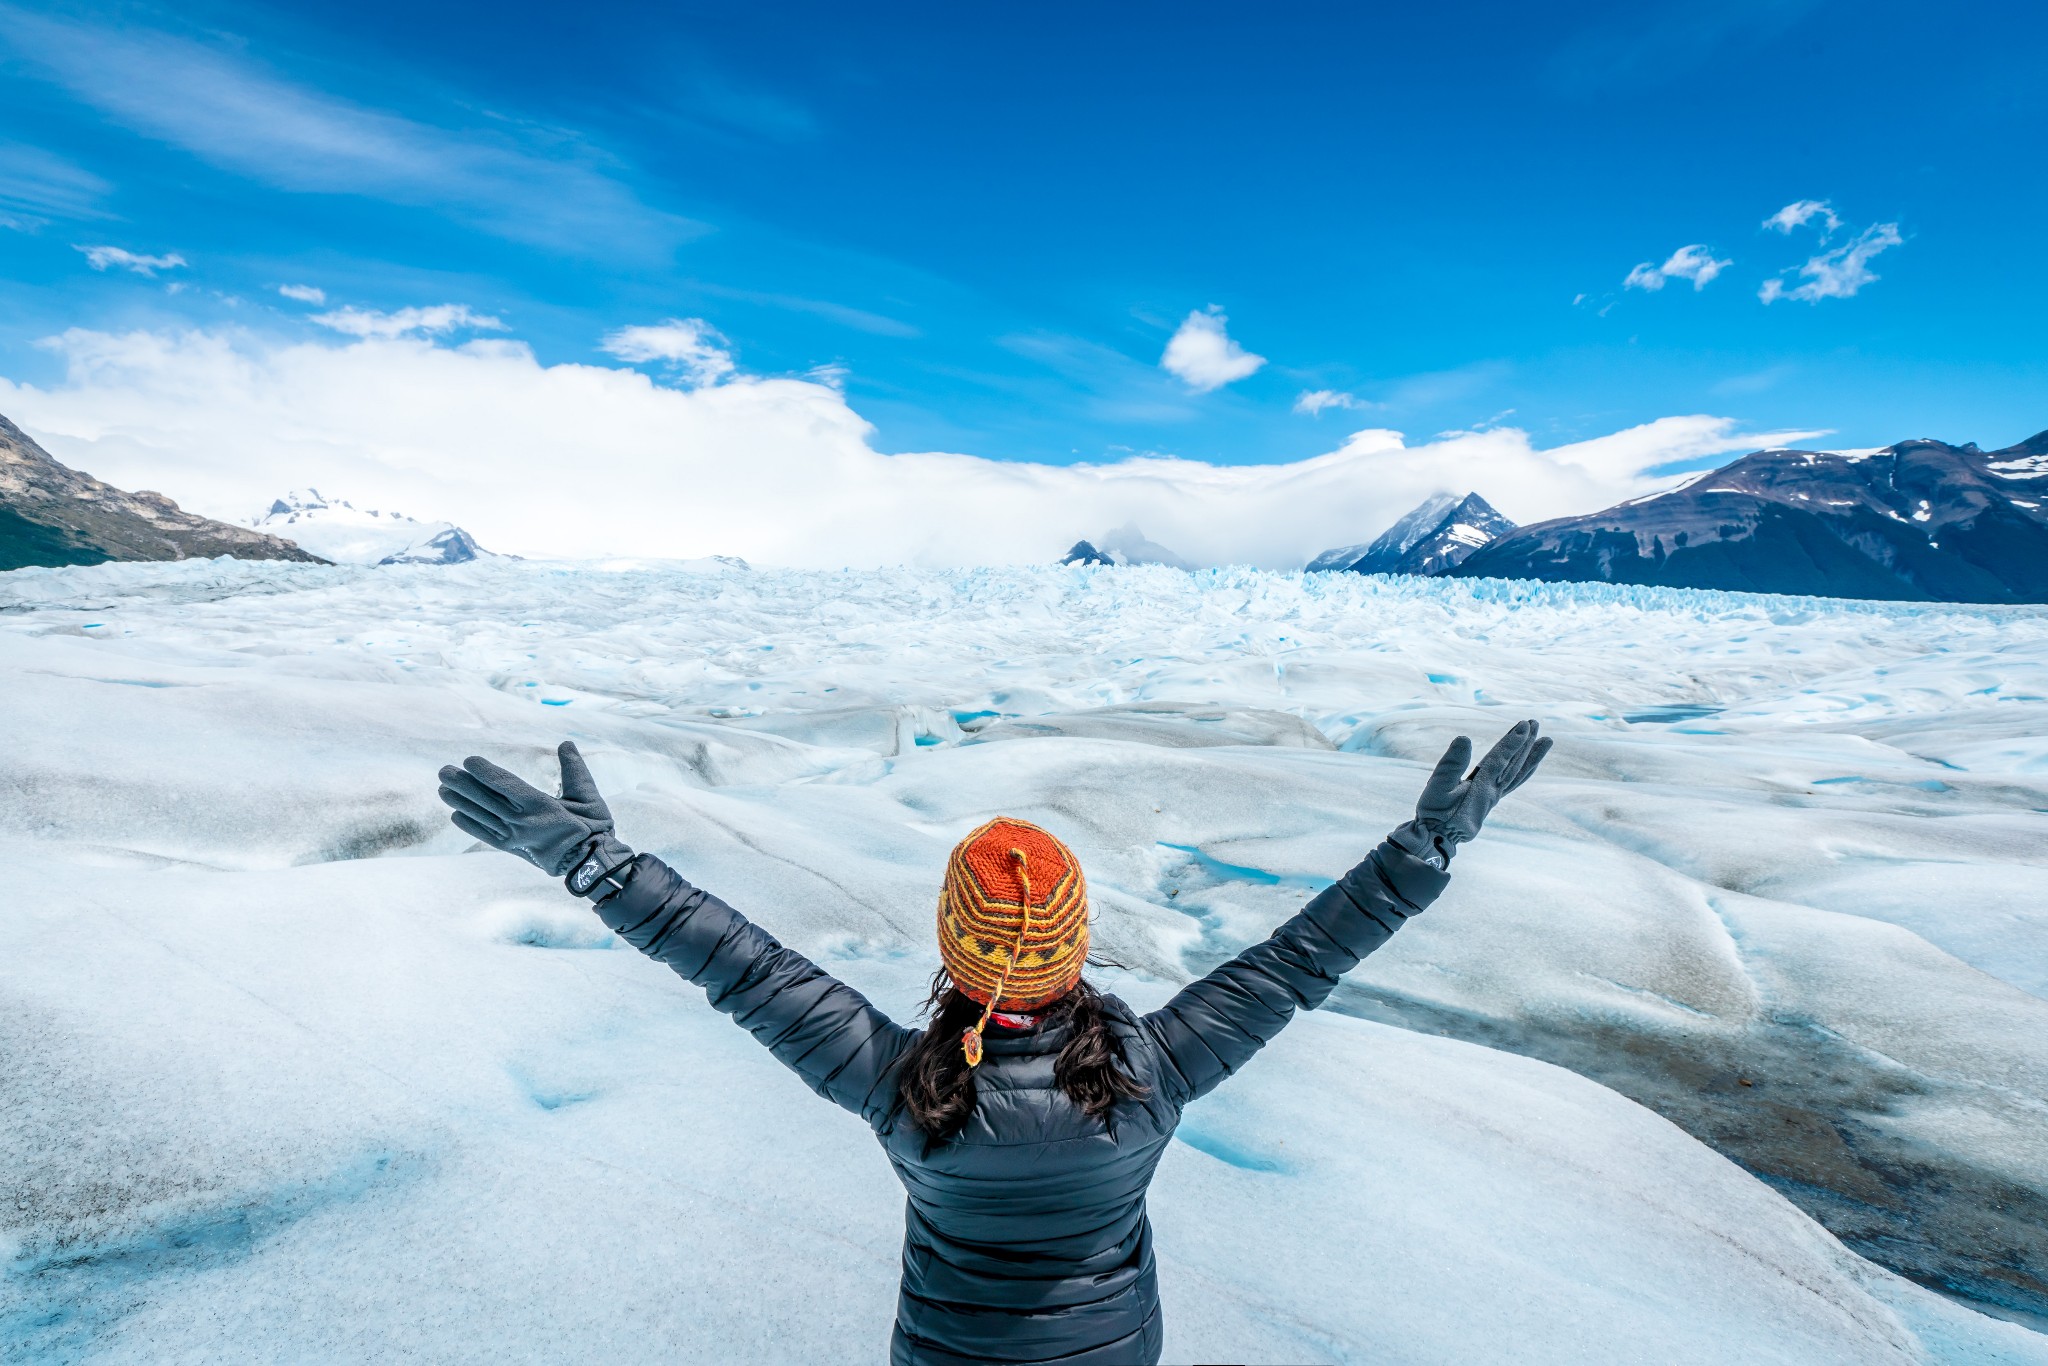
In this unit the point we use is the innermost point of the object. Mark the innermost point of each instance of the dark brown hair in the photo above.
(938, 1087)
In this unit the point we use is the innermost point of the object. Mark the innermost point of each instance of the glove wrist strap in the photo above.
(604, 869)
(1429, 843)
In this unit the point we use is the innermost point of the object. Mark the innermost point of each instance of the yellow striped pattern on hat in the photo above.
(1013, 917)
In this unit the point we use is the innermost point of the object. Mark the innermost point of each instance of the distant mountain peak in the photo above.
(310, 501)
(347, 534)
(1125, 545)
(1434, 537)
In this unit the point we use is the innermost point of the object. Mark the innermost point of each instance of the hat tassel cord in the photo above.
(970, 1039)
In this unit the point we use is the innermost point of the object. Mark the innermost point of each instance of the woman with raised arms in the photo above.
(1026, 1118)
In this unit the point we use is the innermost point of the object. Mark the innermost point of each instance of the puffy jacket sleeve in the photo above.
(1213, 1026)
(815, 1024)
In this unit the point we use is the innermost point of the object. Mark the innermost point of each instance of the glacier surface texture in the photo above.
(290, 1070)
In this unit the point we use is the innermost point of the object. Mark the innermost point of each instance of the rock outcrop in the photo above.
(51, 514)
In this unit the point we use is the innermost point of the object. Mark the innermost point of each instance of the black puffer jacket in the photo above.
(1026, 1239)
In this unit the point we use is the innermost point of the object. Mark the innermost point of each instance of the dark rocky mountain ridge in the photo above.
(1918, 521)
(51, 514)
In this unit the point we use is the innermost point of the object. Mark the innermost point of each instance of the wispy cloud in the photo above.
(305, 294)
(1313, 401)
(1754, 382)
(859, 319)
(1119, 388)
(431, 320)
(36, 186)
(117, 258)
(1800, 212)
(1202, 355)
(691, 347)
(1694, 263)
(242, 117)
(1434, 388)
(1836, 274)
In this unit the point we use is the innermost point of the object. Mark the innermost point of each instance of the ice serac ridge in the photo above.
(1919, 521)
(51, 514)
(340, 531)
(1439, 534)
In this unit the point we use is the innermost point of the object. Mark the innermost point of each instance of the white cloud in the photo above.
(778, 470)
(540, 186)
(305, 294)
(690, 346)
(1202, 355)
(1836, 274)
(1644, 276)
(1802, 211)
(434, 318)
(1314, 401)
(115, 258)
(1694, 263)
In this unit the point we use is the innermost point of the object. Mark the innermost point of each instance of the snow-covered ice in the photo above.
(291, 1072)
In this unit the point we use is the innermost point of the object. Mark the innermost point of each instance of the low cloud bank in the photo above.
(589, 460)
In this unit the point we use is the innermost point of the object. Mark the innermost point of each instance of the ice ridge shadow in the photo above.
(1191, 875)
(60, 1299)
(550, 1096)
(533, 928)
(1223, 1150)
(372, 840)
(1798, 1108)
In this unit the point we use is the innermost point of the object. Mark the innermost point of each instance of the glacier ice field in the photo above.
(291, 1070)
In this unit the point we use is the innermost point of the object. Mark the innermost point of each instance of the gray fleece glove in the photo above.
(569, 836)
(1454, 805)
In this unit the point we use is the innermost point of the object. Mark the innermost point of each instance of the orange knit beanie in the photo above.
(1013, 920)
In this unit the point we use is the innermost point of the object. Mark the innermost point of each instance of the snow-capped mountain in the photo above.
(1918, 521)
(337, 530)
(1396, 539)
(1434, 538)
(51, 514)
(1125, 545)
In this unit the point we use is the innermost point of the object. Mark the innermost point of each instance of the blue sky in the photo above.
(987, 223)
